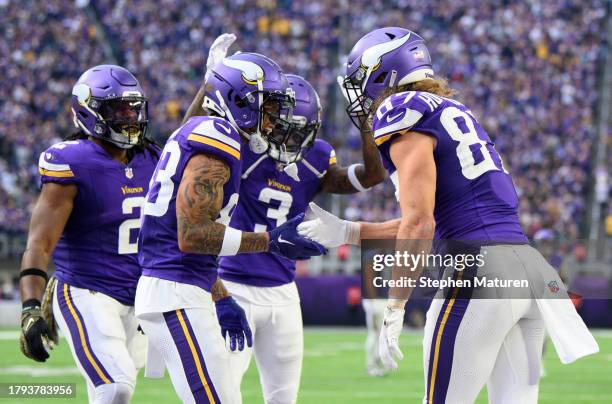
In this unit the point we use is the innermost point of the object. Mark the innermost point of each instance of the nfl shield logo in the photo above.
(553, 286)
(419, 54)
(129, 173)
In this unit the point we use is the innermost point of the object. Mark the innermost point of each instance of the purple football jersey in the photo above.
(475, 197)
(97, 249)
(268, 197)
(159, 254)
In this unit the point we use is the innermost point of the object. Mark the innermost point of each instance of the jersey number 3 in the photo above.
(279, 214)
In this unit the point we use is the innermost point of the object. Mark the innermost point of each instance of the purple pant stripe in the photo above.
(187, 357)
(199, 351)
(433, 347)
(447, 347)
(75, 336)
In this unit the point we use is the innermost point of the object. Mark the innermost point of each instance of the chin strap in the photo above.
(253, 166)
(257, 143)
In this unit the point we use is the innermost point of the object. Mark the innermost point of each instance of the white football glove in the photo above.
(218, 50)
(328, 229)
(388, 342)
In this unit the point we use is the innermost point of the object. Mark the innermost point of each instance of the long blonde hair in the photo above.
(435, 85)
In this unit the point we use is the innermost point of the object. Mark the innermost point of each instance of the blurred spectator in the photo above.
(527, 70)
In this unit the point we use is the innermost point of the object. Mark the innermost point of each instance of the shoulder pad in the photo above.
(320, 156)
(216, 135)
(397, 113)
(56, 164)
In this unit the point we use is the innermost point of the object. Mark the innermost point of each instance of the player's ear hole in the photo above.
(381, 78)
(239, 101)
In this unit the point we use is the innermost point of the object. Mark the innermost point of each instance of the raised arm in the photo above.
(195, 108)
(357, 177)
(216, 53)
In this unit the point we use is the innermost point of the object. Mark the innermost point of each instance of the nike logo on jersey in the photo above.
(280, 240)
(391, 118)
(222, 126)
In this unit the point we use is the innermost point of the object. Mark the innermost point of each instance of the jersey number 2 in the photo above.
(125, 229)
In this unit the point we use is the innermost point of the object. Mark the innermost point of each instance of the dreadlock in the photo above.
(146, 144)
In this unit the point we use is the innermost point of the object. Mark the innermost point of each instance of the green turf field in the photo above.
(333, 373)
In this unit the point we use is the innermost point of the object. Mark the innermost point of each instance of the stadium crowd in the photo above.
(528, 70)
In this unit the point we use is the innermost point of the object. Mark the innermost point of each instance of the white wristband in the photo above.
(353, 233)
(231, 242)
(354, 180)
(395, 304)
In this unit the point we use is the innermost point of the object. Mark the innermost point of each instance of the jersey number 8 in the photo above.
(161, 187)
(467, 140)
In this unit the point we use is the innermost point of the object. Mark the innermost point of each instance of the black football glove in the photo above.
(35, 332)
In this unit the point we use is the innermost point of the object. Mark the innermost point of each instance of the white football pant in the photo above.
(188, 339)
(104, 340)
(278, 339)
(472, 342)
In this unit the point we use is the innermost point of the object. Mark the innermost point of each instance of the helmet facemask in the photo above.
(276, 126)
(125, 119)
(353, 90)
(290, 147)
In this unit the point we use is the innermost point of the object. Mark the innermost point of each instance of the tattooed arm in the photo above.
(218, 291)
(336, 180)
(198, 203)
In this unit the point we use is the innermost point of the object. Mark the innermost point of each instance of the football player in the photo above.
(278, 183)
(87, 217)
(181, 304)
(270, 192)
(451, 185)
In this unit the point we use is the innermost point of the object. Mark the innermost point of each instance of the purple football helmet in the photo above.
(386, 57)
(306, 121)
(251, 91)
(108, 103)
